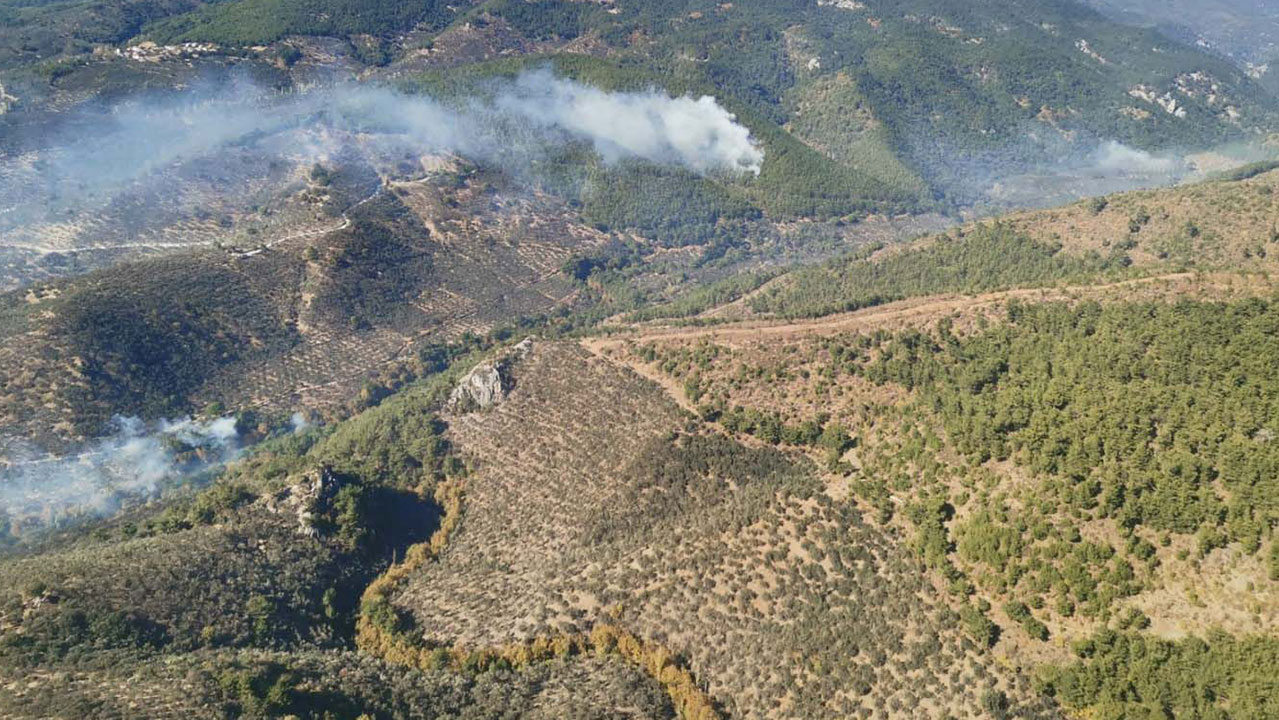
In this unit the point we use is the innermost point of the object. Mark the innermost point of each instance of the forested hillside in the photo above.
(634, 359)
(1054, 462)
(901, 101)
(1076, 449)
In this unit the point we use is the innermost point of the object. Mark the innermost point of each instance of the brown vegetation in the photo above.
(596, 509)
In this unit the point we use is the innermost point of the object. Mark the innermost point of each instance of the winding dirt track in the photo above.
(915, 312)
(900, 314)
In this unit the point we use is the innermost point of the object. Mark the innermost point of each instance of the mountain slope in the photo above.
(1008, 72)
(537, 428)
(942, 92)
(952, 499)
(1244, 30)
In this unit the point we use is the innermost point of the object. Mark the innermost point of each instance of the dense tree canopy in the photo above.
(1157, 415)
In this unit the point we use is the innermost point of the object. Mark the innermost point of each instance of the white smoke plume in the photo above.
(1087, 170)
(509, 126)
(299, 423)
(1115, 158)
(134, 462)
(696, 133)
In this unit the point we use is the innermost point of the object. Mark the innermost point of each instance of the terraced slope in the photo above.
(302, 322)
(595, 500)
(240, 600)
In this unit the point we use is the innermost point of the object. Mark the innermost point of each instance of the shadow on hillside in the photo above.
(394, 520)
(399, 519)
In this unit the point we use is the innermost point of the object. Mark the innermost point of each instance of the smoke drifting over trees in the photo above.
(510, 124)
(514, 123)
(695, 133)
(133, 462)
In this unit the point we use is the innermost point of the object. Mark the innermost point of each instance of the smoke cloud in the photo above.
(114, 148)
(134, 462)
(1099, 168)
(698, 134)
(139, 136)
(1115, 158)
(215, 140)
(299, 423)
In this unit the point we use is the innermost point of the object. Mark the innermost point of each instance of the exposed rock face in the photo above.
(308, 498)
(483, 387)
(489, 382)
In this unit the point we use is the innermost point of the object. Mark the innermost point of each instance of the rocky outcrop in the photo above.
(309, 498)
(484, 386)
(489, 382)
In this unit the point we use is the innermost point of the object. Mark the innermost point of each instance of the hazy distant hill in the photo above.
(951, 88)
(910, 98)
(1247, 30)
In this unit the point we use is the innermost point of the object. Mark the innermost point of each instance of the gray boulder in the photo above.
(489, 382)
(308, 498)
